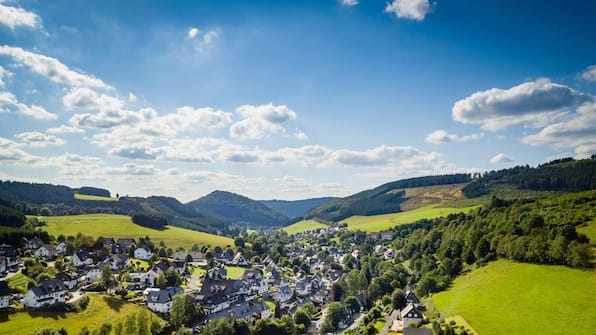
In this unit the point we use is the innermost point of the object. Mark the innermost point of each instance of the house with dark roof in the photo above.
(46, 251)
(118, 262)
(256, 282)
(4, 295)
(179, 266)
(219, 294)
(47, 293)
(123, 244)
(82, 258)
(218, 272)
(196, 256)
(239, 259)
(142, 252)
(10, 257)
(260, 310)
(32, 243)
(70, 279)
(411, 315)
(3, 269)
(411, 297)
(160, 301)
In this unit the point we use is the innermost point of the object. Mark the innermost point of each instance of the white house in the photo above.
(142, 253)
(69, 279)
(411, 314)
(4, 295)
(146, 279)
(61, 248)
(93, 273)
(118, 262)
(46, 251)
(10, 257)
(2, 265)
(33, 243)
(81, 258)
(160, 301)
(239, 259)
(283, 294)
(47, 293)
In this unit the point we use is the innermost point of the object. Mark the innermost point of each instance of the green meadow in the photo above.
(381, 222)
(101, 309)
(121, 226)
(235, 272)
(506, 298)
(302, 226)
(94, 197)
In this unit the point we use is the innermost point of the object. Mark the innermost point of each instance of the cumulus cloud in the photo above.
(409, 9)
(13, 17)
(193, 32)
(36, 139)
(86, 98)
(578, 132)
(64, 130)
(4, 73)
(9, 101)
(51, 68)
(441, 136)
(10, 151)
(590, 73)
(501, 159)
(105, 119)
(349, 3)
(189, 118)
(260, 121)
(532, 104)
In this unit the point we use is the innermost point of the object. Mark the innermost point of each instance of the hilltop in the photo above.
(296, 208)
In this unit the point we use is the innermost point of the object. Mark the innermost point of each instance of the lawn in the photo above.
(381, 222)
(18, 282)
(94, 197)
(302, 226)
(235, 272)
(101, 309)
(514, 298)
(120, 226)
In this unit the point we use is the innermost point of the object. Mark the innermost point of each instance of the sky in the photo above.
(289, 99)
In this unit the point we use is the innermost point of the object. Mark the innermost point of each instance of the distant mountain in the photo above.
(386, 198)
(296, 208)
(237, 209)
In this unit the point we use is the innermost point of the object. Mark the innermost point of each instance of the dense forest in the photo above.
(149, 220)
(386, 198)
(296, 208)
(559, 175)
(237, 209)
(100, 192)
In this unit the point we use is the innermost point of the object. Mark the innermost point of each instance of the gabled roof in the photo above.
(4, 290)
(216, 291)
(411, 309)
(178, 264)
(163, 296)
(8, 250)
(82, 255)
(181, 255)
(46, 287)
(49, 247)
(251, 275)
(68, 276)
(125, 242)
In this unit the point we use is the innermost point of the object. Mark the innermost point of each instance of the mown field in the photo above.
(505, 297)
(101, 309)
(120, 226)
(302, 226)
(94, 197)
(381, 222)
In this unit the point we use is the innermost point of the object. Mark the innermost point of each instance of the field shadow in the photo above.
(113, 303)
(52, 315)
(4, 317)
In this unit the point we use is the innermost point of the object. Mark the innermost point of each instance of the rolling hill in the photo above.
(296, 208)
(237, 209)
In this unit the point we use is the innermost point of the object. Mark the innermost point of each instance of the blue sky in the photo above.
(289, 99)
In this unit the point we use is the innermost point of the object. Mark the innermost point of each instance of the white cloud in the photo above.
(13, 17)
(260, 121)
(202, 41)
(193, 32)
(133, 169)
(590, 73)
(37, 112)
(36, 139)
(64, 130)
(533, 104)
(409, 9)
(501, 159)
(578, 131)
(4, 73)
(349, 3)
(86, 98)
(441, 136)
(189, 118)
(51, 68)
(9, 151)
(131, 97)
(105, 119)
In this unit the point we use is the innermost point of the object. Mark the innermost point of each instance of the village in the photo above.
(152, 275)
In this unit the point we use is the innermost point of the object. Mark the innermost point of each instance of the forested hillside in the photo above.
(237, 209)
(386, 198)
(559, 175)
(296, 208)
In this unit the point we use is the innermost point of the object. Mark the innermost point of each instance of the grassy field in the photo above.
(514, 298)
(94, 197)
(302, 226)
(18, 282)
(375, 223)
(589, 229)
(120, 226)
(101, 309)
(235, 272)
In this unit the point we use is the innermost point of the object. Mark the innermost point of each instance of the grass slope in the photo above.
(120, 226)
(93, 197)
(515, 298)
(589, 229)
(235, 272)
(302, 226)
(375, 223)
(101, 309)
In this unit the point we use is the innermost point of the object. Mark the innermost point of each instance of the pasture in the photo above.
(121, 226)
(505, 297)
(303, 226)
(94, 197)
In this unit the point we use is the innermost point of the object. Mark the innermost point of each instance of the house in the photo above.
(260, 310)
(411, 315)
(3, 269)
(218, 272)
(389, 253)
(118, 262)
(386, 236)
(61, 248)
(4, 295)
(160, 301)
(33, 243)
(81, 258)
(219, 294)
(46, 251)
(47, 293)
(179, 266)
(283, 294)
(11, 259)
(417, 331)
(374, 236)
(239, 259)
(255, 281)
(142, 252)
(196, 256)
(223, 257)
(108, 241)
(411, 297)
(123, 244)
(146, 279)
(241, 311)
(69, 279)
(93, 273)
